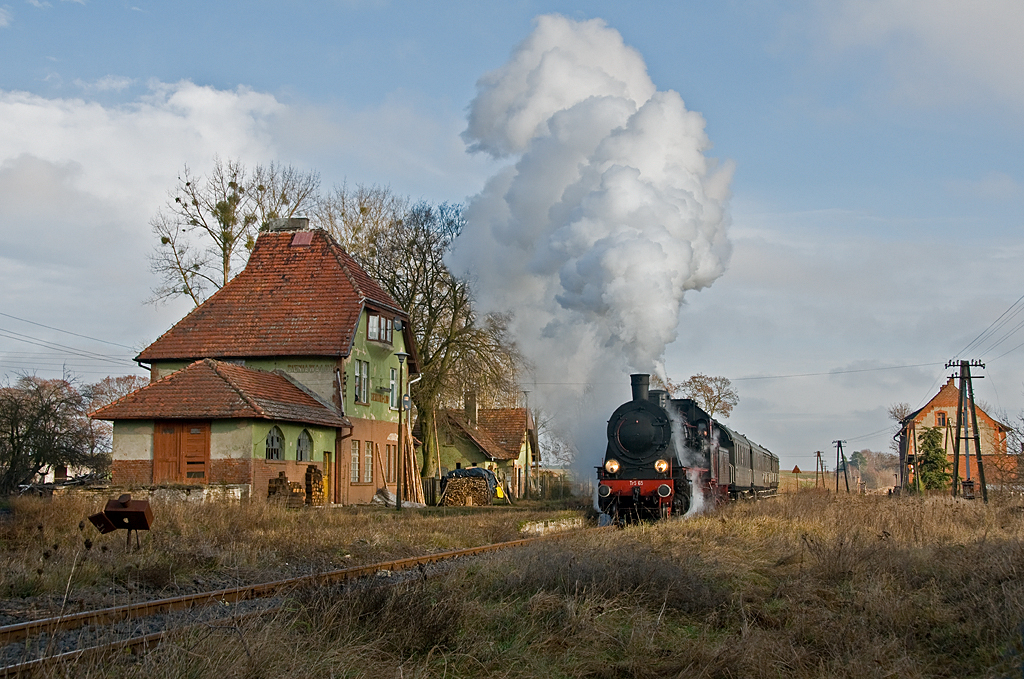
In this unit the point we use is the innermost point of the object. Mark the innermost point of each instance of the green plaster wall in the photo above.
(323, 438)
(464, 451)
(381, 357)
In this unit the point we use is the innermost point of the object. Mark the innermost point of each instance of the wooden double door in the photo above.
(181, 452)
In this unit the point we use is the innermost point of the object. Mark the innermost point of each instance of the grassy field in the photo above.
(804, 585)
(48, 548)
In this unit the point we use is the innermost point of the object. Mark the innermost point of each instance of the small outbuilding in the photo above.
(503, 440)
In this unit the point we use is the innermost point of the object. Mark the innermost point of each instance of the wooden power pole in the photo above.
(841, 454)
(966, 409)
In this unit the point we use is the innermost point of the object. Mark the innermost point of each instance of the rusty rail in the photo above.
(105, 616)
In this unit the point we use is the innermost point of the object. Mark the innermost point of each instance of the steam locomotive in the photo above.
(666, 456)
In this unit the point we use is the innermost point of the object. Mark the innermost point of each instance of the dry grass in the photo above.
(806, 585)
(45, 544)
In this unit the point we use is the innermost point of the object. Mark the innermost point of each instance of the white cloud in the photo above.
(39, 4)
(993, 186)
(834, 292)
(80, 180)
(407, 141)
(108, 83)
(937, 49)
(5, 17)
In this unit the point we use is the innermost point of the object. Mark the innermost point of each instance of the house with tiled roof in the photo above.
(295, 362)
(503, 440)
(941, 412)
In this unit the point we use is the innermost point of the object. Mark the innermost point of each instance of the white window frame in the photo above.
(362, 382)
(373, 327)
(356, 453)
(368, 463)
(394, 388)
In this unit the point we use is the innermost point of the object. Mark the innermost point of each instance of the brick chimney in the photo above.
(472, 410)
(289, 224)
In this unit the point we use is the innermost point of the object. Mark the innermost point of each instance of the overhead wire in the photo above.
(995, 325)
(28, 339)
(833, 372)
(66, 332)
(981, 343)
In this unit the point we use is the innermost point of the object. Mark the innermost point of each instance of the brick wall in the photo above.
(132, 472)
(230, 470)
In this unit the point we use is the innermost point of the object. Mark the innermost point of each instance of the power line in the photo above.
(993, 326)
(67, 332)
(867, 436)
(28, 339)
(835, 372)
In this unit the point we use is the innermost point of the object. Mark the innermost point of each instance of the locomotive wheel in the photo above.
(681, 504)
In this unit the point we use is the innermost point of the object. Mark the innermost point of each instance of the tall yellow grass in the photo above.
(806, 585)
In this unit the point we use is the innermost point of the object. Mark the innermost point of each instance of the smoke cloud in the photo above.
(606, 214)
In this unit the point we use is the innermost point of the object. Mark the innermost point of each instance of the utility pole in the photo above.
(529, 448)
(840, 453)
(819, 471)
(401, 355)
(965, 400)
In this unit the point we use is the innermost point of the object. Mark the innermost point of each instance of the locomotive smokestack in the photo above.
(640, 383)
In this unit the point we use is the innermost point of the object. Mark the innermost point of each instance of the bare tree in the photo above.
(898, 412)
(403, 249)
(208, 228)
(715, 395)
(43, 423)
(103, 393)
(358, 217)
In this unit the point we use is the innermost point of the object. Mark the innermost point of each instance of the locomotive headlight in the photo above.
(611, 466)
(661, 466)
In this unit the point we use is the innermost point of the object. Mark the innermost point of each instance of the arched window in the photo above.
(304, 447)
(275, 444)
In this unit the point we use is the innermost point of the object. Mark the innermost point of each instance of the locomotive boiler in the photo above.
(666, 456)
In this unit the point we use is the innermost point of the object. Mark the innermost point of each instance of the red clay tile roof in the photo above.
(507, 426)
(500, 431)
(213, 390)
(292, 299)
(479, 437)
(948, 397)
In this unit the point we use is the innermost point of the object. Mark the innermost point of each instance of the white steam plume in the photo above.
(607, 214)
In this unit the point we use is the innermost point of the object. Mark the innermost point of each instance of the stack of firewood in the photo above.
(288, 493)
(461, 492)
(315, 486)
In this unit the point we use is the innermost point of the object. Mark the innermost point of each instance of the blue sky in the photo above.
(875, 206)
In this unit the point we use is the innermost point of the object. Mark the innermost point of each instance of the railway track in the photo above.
(242, 601)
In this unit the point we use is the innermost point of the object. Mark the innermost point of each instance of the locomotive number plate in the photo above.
(636, 482)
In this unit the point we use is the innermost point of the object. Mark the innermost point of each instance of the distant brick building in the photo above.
(294, 362)
(940, 412)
